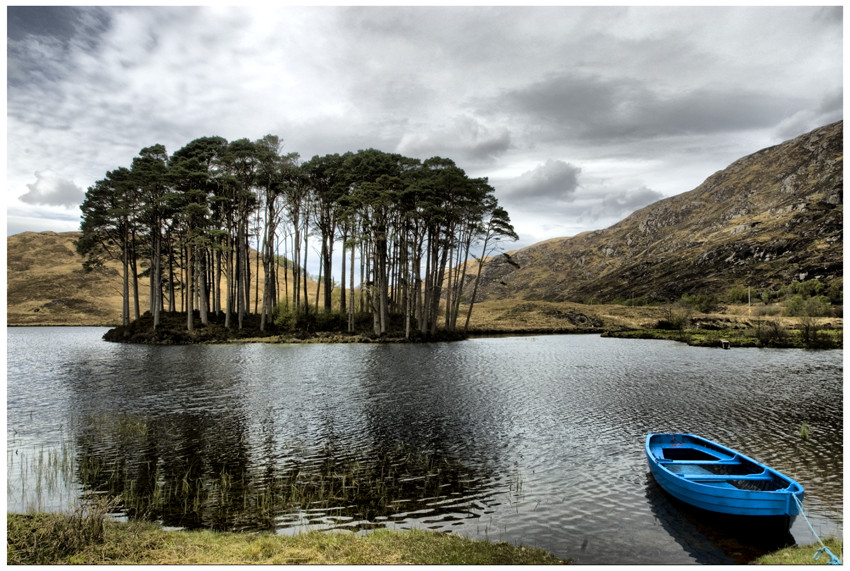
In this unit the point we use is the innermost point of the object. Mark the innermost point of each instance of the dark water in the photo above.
(530, 440)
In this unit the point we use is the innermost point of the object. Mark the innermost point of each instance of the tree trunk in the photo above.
(475, 286)
(216, 289)
(342, 300)
(190, 292)
(228, 302)
(306, 248)
(351, 290)
(203, 303)
(125, 306)
(327, 248)
(156, 275)
(135, 272)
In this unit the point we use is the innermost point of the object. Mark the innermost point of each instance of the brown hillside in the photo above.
(768, 219)
(46, 283)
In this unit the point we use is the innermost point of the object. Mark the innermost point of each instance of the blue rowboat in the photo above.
(707, 475)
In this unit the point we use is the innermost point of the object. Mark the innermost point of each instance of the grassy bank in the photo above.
(824, 339)
(38, 539)
(803, 554)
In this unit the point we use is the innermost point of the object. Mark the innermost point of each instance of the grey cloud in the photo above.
(553, 181)
(463, 138)
(830, 110)
(41, 40)
(62, 23)
(619, 204)
(51, 189)
(594, 108)
(830, 14)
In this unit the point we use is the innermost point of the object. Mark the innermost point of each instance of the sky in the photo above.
(578, 116)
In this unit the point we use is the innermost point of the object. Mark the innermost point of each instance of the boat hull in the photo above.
(712, 477)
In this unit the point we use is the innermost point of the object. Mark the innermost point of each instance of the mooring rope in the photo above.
(833, 560)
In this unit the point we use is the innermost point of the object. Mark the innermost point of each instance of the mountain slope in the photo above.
(768, 219)
(46, 283)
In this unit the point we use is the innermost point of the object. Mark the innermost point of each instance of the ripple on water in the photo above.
(533, 440)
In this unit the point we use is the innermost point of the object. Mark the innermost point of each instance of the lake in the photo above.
(532, 440)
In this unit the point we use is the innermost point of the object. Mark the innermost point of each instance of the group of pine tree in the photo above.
(188, 221)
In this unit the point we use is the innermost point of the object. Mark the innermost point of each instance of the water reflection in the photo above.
(532, 440)
(183, 472)
(713, 538)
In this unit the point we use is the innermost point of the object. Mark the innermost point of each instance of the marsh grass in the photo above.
(41, 538)
(42, 478)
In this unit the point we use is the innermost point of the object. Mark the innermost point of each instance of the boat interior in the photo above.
(702, 463)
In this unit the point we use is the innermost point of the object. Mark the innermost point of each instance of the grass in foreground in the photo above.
(62, 539)
(803, 554)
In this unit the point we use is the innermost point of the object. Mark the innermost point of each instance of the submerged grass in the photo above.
(58, 539)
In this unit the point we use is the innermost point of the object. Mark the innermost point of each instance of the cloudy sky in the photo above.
(578, 116)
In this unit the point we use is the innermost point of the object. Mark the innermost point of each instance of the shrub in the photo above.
(769, 295)
(818, 306)
(835, 291)
(675, 318)
(768, 310)
(771, 333)
(285, 316)
(799, 306)
(739, 294)
(811, 334)
(702, 303)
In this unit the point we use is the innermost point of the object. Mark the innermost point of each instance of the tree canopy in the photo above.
(190, 220)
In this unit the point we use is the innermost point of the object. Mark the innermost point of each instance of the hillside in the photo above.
(768, 219)
(46, 283)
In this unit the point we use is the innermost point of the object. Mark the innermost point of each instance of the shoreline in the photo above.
(44, 538)
(730, 338)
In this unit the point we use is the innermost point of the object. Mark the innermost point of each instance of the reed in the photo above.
(108, 456)
(183, 493)
(40, 478)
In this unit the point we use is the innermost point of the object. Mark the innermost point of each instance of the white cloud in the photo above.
(51, 189)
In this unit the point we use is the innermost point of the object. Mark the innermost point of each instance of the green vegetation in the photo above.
(701, 303)
(811, 298)
(802, 301)
(39, 539)
(763, 334)
(803, 554)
